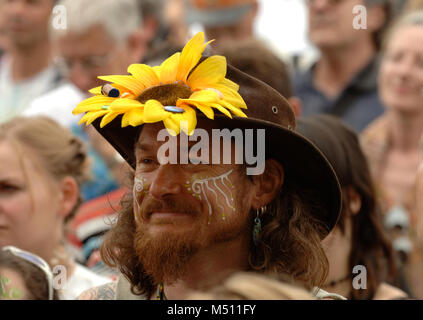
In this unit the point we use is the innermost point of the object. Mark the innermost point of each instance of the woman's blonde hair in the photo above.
(60, 153)
(414, 18)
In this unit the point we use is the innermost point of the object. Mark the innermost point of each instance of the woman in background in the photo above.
(42, 166)
(392, 143)
(358, 238)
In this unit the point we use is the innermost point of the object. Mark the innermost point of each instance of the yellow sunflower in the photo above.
(170, 92)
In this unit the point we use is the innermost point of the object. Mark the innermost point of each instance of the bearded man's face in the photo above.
(182, 209)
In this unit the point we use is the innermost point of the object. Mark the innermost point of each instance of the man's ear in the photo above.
(268, 184)
(70, 194)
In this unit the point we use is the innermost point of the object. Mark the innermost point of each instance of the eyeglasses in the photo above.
(36, 260)
(89, 63)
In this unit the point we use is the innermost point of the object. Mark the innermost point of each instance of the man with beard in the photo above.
(198, 212)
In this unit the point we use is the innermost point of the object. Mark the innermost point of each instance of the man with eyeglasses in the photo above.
(343, 80)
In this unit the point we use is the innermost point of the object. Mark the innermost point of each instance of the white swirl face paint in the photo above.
(215, 185)
(139, 191)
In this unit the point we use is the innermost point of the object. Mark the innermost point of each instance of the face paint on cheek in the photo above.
(140, 190)
(220, 185)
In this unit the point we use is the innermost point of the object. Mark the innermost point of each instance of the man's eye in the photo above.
(146, 161)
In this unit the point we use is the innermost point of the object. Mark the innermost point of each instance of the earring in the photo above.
(257, 224)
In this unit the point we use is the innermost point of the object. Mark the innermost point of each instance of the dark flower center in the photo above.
(166, 94)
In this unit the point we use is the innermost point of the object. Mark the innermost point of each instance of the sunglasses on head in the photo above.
(36, 260)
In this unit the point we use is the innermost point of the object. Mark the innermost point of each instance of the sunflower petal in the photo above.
(128, 82)
(169, 69)
(222, 109)
(85, 118)
(154, 112)
(172, 126)
(210, 71)
(91, 116)
(190, 56)
(134, 118)
(230, 84)
(108, 118)
(232, 96)
(204, 109)
(92, 104)
(123, 105)
(235, 111)
(96, 90)
(145, 74)
(189, 116)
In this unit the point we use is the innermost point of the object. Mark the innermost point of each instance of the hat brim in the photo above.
(303, 162)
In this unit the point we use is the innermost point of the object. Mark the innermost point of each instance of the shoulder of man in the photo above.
(104, 292)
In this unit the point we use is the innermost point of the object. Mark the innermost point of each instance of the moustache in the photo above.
(175, 205)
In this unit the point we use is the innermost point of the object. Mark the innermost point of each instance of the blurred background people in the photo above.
(256, 59)
(392, 142)
(359, 237)
(102, 37)
(3, 38)
(163, 28)
(42, 167)
(25, 276)
(343, 81)
(419, 206)
(26, 69)
(412, 5)
(175, 17)
(226, 21)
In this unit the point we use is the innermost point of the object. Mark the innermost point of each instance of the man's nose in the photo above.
(167, 181)
(80, 78)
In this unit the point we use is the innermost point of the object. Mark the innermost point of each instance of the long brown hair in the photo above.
(370, 244)
(289, 242)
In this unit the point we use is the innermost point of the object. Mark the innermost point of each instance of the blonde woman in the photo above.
(392, 143)
(42, 166)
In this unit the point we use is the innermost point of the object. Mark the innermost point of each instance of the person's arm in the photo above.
(104, 292)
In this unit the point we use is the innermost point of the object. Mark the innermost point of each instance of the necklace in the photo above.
(160, 292)
(335, 282)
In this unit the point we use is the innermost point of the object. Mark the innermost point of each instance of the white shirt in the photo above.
(58, 104)
(81, 279)
(16, 97)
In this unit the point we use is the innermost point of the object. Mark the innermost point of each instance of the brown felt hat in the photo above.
(303, 162)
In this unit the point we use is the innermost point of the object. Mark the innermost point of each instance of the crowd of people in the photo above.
(91, 207)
